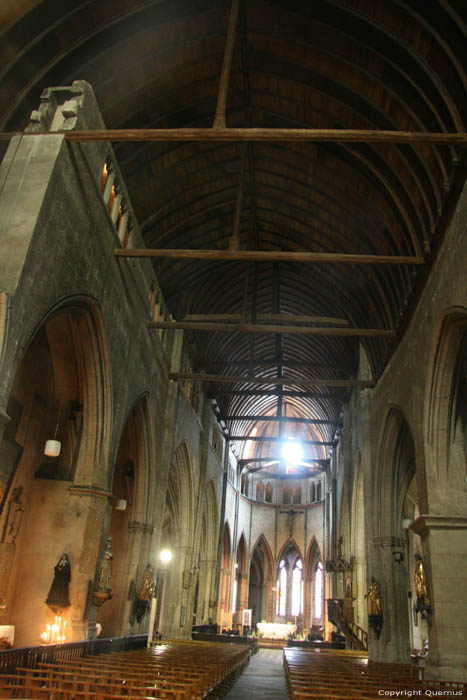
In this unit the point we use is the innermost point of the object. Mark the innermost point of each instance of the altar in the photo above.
(7, 636)
(276, 630)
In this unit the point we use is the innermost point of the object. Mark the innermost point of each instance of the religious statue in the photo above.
(375, 606)
(145, 594)
(373, 596)
(103, 588)
(423, 601)
(58, 598)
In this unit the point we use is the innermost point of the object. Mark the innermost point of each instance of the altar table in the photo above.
(276, 630)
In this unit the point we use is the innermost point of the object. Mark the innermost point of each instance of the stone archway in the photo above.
(60, 392)
(387, 555)
(129, 525)
(313, 560)
(260, 593)
(241, 579)
(178, 532)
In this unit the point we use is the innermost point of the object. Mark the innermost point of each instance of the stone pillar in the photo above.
(138, 548)
(307, 603)
(445, 557)
(178, 603)
(393, 644)
(225, 613)
(242, 595)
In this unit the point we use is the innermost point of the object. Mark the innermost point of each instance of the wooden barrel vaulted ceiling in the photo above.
(369, 65)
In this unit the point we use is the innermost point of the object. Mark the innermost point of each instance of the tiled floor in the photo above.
(263, 678)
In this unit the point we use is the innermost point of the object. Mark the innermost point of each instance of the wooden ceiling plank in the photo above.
(268, 256)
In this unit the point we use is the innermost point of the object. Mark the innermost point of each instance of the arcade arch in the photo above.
(60, 391)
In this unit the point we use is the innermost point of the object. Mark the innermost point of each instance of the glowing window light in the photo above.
(297, 588)
(292, 451)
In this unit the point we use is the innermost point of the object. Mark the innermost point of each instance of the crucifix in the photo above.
(291, 514)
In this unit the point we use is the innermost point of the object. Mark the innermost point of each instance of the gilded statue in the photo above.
(421, 591)
(145, 593)
(373, 596)
(147, 585)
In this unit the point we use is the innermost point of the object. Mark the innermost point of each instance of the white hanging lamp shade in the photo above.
(52, 448)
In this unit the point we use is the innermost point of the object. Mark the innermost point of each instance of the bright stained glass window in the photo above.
(297, 578)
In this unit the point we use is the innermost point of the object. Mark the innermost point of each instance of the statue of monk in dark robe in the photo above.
(58, 597)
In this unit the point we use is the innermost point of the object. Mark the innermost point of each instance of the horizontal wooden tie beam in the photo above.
(282, 419)
(295, 394)
(267, 364)
(266, 328)
(244, 462)
(267, 256)
(280, 318)
(279, 381)
(257, 134)
(257, 438)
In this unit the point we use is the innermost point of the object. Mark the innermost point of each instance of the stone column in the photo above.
(242, 595)
(178, 610)
(138, 559)
(225, 614)
(83, 612)
(393, 644)
(445, 558)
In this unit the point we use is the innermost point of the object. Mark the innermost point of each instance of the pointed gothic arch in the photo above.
(260, 594)
(395, 470)
(60, 389)
(130, 524)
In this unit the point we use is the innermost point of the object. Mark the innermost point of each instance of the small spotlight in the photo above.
(292, 451)
(165, 556)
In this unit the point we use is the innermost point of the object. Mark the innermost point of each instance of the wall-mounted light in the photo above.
(165, 556)
(120, 504)
(398, 555)
(52, 447)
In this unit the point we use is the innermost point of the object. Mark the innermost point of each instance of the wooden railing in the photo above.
(356, 635)
(29, 657)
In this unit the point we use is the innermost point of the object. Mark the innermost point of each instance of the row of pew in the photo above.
(349, 675)
(173, 670)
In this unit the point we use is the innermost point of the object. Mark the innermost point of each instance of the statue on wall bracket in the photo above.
(58, 598)
(145, 594)
(375, 607)
(103, 589)
(422, 604)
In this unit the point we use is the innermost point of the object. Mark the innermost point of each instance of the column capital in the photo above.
(425, 523)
